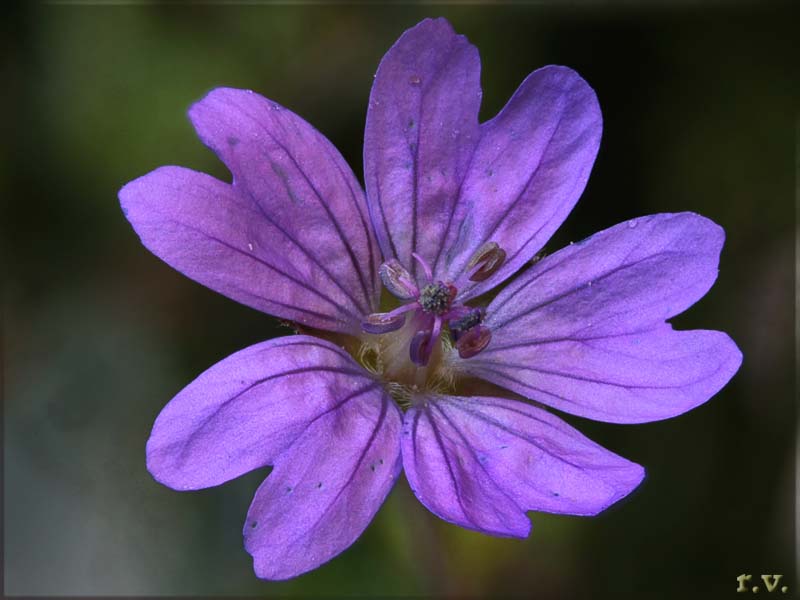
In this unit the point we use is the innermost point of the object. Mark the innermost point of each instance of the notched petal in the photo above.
(326, 488)
(633, 378)
(528, 170)
(481, 463)
(308, 208)
(583, 330)
(211, 232)
(243, 412)
(421, 129)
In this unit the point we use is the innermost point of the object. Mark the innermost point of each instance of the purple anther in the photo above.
(488, 258)
(473, 341)
(461, 324)
(421, 347)
(397, 280)
(383, 322)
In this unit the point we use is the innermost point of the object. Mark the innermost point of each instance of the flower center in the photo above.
(408, 347)
(436, 298)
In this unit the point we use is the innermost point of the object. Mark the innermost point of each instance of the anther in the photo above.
(421, 347)
(488, 258)
(383, 322)
(473, 341)
(460, 325)
(397, 280)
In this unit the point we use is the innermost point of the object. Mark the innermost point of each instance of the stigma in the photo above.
(436, 298)
(430, 313)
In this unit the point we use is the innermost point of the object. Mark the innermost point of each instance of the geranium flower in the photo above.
(430, 380)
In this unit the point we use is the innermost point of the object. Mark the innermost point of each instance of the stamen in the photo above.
(473, 341)
(385, 322)
(460, 325)
(456, 312)
(423, 343)
(425, 267)
(420, 348)
(437, 331)
(397, 280)
(488, 259)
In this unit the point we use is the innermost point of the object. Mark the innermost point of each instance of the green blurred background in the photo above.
(699, 103)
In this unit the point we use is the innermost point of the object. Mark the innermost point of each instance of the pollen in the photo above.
(468, 321)
(436, 298)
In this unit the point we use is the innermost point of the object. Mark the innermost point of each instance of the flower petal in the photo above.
(243, 412)
(310, 215)
(482, 462)
(422, 126)
(632, 378)
(325, 488)
(528, 171)
(626, 278)
(583, 330)
(210, 232)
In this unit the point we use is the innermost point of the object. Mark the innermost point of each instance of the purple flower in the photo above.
(453, 208)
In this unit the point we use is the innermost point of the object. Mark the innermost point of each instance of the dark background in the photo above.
(699, 103)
